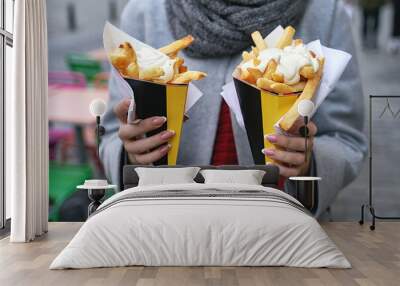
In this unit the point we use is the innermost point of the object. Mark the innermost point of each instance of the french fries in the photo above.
(124, 59)
(123, 56)
(287, 38)
(151, 73)
(188, 76)
(286, 69)
(255, 73)
(309, 90)
(276, 87)
(175, 47)
(258, 40)
(278, 77)
(307, 72)
(246, 76)
(247, 56)
(271, 69)
(132, 71)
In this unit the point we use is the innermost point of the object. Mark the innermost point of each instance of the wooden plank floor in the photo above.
(375, 257)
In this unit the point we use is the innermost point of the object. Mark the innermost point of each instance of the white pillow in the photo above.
(247, 177)
(166, 176)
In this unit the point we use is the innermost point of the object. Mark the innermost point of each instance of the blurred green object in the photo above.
(83, 64)
(372, 4)
(63, 179)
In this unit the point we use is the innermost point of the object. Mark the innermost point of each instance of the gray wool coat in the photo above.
(340, 145)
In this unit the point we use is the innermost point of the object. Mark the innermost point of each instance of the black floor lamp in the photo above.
(370, 204)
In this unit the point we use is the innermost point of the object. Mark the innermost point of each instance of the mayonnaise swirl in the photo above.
(290, 60)
(147, 59)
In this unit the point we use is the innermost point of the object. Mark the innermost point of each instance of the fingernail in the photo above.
(271, 138)
(268, 152)
(166, 148)
(167, 134)
(159, 120)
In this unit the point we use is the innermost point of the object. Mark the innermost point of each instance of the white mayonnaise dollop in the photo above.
(290, 60)
(147, 59)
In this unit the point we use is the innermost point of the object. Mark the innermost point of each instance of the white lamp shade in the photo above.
(305, 107)
(97, 107)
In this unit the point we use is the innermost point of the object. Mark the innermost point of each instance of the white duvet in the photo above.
(201, 231)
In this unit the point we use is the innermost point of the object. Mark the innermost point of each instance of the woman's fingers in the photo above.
(149, 143)
(287, 157)
(128, 131)
(148, 158)
(290, 143)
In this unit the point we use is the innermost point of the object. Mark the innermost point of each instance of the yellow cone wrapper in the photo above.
(153, 99)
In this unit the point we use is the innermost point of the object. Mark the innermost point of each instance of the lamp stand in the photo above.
(304, 131)
(100, 131)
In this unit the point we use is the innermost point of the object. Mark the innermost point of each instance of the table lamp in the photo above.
(97, 109)
(306, 187)
(96, 188)
(305, 109)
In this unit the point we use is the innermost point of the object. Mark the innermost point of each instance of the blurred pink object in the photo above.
(67, 79)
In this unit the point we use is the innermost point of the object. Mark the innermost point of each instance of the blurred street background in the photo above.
(78, 72)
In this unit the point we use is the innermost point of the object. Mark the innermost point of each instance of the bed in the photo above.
(201, 224)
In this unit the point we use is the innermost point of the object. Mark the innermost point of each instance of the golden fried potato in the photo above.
(270, 70)
(122, 56)
(256, 61)
(178, 63)
(247, 56)
(132, 71)
(265, 83)
(255, 52)
(282, 88)
(287, 38)
(278, 77)
(151, 73)
(258, 40)
(308, 93)
(298, 87)
(275, 87)
(175, 47)
(307, 72)
(245, 75)
(183, 69)
(255, 73)
(188, 76)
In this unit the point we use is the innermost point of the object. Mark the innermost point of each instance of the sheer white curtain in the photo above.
(27, 127)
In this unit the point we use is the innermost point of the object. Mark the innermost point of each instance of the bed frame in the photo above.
(130, 178)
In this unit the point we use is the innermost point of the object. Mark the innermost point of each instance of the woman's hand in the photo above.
(290, 153)
(142, 150)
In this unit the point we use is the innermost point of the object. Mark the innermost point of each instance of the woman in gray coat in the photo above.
(222, 30)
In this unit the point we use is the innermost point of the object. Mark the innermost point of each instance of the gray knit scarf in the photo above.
(223, 27)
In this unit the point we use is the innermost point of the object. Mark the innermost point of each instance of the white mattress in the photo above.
(191, 231)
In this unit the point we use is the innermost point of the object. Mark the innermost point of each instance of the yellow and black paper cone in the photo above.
(261, 110)
(153, 99)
